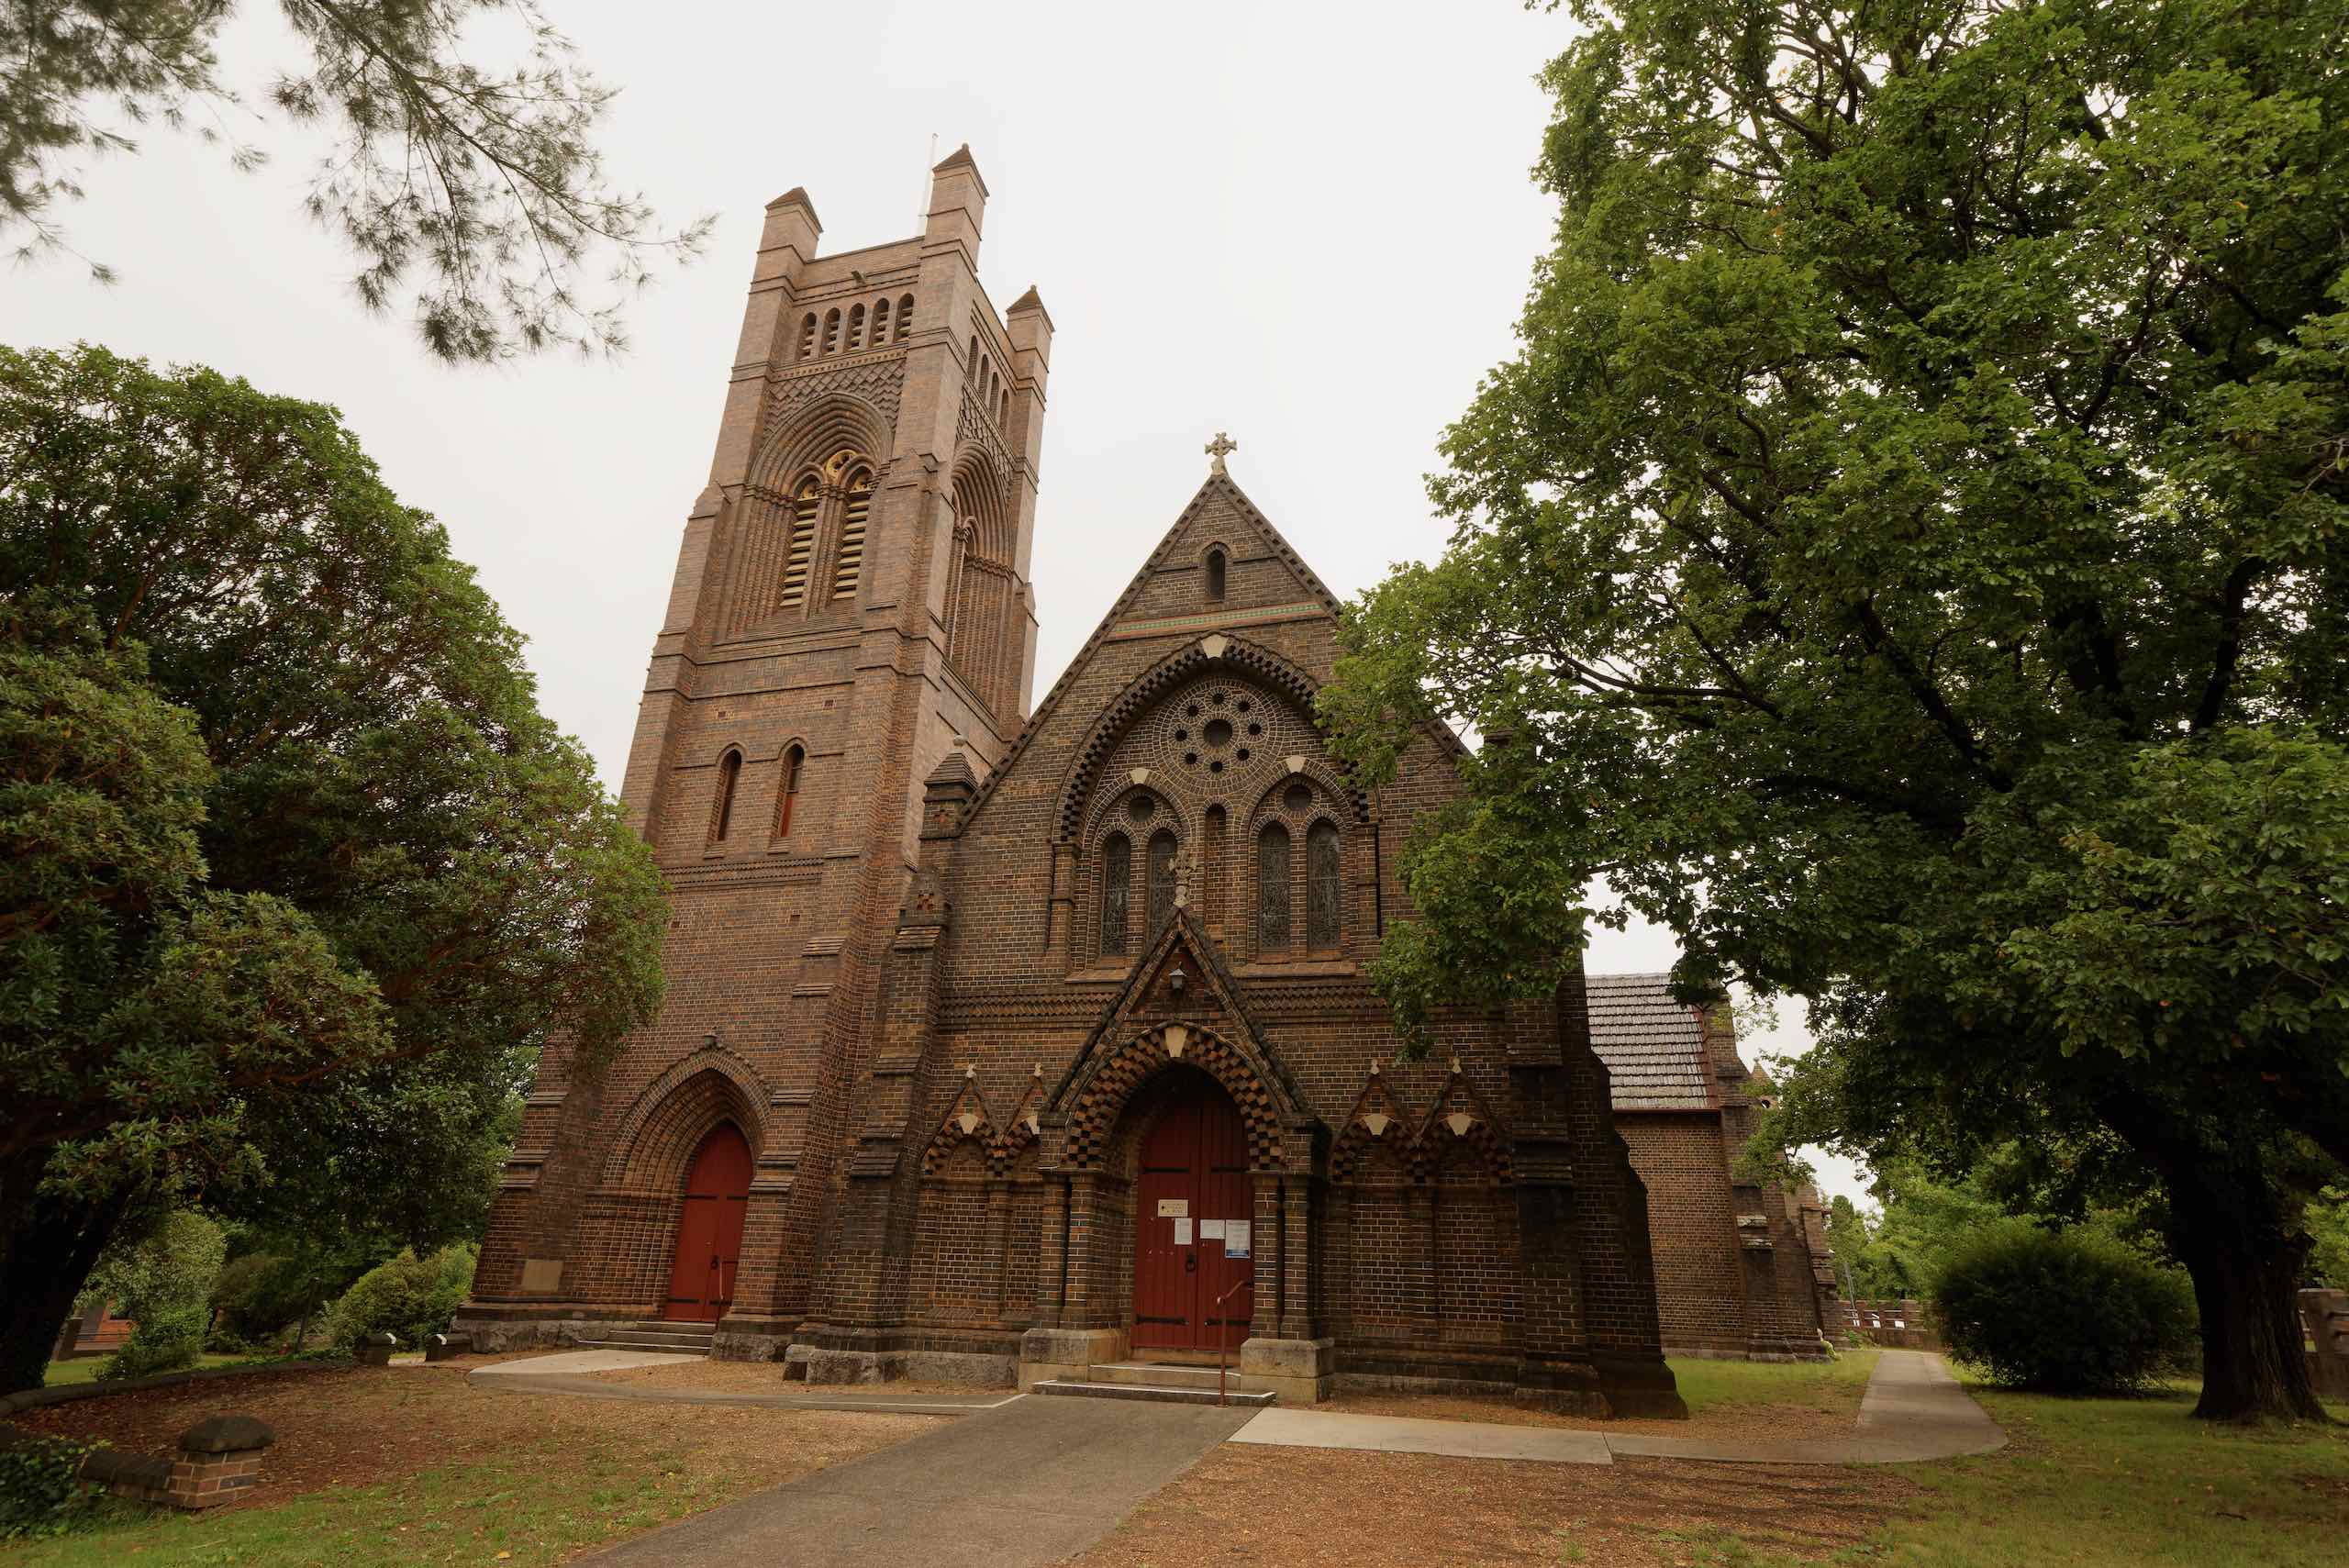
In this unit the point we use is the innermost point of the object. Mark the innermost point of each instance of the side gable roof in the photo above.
(1653, 1047)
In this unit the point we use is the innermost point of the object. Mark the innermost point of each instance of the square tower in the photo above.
(852, 603)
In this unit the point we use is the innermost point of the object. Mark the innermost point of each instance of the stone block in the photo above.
(970, 1369)
(1047, 1353)
(377, 1350)
(1302, 1372)
(227, 1434)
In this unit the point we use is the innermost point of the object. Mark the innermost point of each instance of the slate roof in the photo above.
(1650, 1042)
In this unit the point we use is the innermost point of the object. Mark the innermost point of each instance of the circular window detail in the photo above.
(1298, 798)
(1254, 729)
(1193, 711)
(1182, 735)
(1140, 808)
(1192, 758)
(1217, 732)
(1215, 767)
(1242, 753)
(1217, 698)
(1241, 705)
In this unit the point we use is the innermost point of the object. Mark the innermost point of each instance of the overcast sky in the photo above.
(1296, 223)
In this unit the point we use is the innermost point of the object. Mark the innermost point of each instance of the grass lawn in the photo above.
(1834, 1387)
(401, 1465)
(84, 1368)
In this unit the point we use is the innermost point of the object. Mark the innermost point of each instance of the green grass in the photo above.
(1834, 1385)
(525, 1509)
(2107, 1484)
(84, 1368)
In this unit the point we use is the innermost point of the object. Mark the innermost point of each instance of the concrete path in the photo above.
(1913, 1409)
(573, 1364)
(1024, 1484)
(566, 1371)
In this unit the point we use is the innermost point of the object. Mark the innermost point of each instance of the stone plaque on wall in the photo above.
(541, 1274)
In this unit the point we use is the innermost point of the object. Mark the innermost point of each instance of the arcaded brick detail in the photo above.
(656, 1139)
(1103, 1093)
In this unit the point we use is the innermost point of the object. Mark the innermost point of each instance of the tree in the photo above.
(295, 879)
(1904, 559)
(486, 181)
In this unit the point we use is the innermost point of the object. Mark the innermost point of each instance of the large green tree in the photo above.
(294, 878)
(1906, 559)
(475, 189)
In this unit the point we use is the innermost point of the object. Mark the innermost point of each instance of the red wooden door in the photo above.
(709, 1233)
(1193, 1186)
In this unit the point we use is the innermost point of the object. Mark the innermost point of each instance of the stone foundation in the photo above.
(1302, 1372)
(1047, 1353)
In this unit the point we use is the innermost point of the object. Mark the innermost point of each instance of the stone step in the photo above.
(641, 1339)
(1154, 1394)
(1159, 1375)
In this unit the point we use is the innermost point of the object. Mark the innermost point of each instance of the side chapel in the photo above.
(1008, 1039)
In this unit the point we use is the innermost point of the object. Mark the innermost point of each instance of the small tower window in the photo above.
(880, 323)
(808, 336)
(1117, 888)
(1003, 408)
(1162, 881)
(972, 364)
(831, 331)
(904, 316)
(787, 789)
(721, 815)
(1322, 885)
(804, 506)
(855, 328)
(1215, 576)
(849, 565)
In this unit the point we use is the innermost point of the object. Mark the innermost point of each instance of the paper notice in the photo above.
(1182, 1233)
(1211, 1230)
(1174, 1207)
(1235, 1238)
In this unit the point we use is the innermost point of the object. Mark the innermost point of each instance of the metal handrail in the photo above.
(1223, 1348)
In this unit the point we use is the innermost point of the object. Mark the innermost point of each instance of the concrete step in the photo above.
(645, 1340)
(1156, 1394)
(1159, 1375)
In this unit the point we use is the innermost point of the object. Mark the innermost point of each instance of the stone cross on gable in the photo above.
(1218, 449)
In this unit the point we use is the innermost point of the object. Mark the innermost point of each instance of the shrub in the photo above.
(42, 1491)
(410, 1296)
(165, 1340)
(2069, 1311)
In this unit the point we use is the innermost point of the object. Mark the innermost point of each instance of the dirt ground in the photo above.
(361, 1426)
(1786, 1422)
(1334, 1509)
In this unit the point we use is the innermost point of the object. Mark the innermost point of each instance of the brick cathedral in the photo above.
(1007, 1039)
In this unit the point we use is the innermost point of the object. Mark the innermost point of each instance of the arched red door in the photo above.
(1194, 1189)
(709, 1233)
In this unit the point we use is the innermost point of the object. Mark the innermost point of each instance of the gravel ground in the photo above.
(1334, 1509)
(1778, 1422)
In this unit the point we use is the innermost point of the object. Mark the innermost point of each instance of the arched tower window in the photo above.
(786, 789)
(831, 331)
(880, 323)
(848, 565)
(1162, 881)
(1215, 576)
(1272, 889)
(808, 337)
(721, 811)
(904, 316)
(972, 364)
(1213, 873)
(1117, 891)
(855, 328)
(1003, 408)
(806, 504)
(1322, 885)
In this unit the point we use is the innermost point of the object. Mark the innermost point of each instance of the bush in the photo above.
(410, 1296)
(42, 1491)
(166, 1339)
(2068, 1311)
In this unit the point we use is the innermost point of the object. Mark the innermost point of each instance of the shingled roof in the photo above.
(1654, 1055)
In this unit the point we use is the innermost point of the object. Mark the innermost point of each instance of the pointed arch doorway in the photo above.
(1191, 1187)
(709, 1231)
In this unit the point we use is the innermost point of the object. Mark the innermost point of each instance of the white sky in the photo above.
(1310, 228)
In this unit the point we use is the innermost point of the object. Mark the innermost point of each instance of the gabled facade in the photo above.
(1046, 1033)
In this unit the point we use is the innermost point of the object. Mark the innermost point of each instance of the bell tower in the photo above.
(851, 603)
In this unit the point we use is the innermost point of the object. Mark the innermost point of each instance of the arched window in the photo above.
(831, 331)
(808, 336)
(786, 789)
(1272, 889)
(855, 328)
(1117, 891)
(1162, 881)
(904, 316)
(721, 813)
(880, 323)
(1212, 871)
(972, 364)
(1003, 408)
(1215, 576)
(848, 565)
(1322, 885)
(806, 504)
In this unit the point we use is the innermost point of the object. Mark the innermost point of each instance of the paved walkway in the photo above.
(1913, 1409)
(567, 1372)
(1026, 1483)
